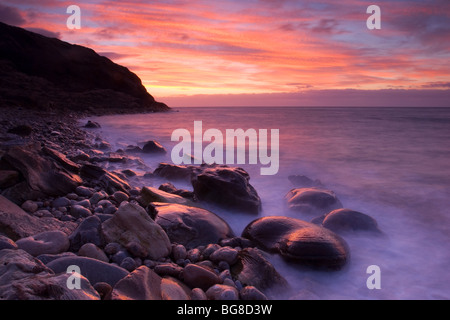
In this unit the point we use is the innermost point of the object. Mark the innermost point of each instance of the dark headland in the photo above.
(60, 206)
(48, 74)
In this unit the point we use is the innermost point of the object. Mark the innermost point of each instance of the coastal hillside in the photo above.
(49, 74)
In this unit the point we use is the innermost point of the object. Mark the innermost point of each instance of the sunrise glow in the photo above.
(183, 49)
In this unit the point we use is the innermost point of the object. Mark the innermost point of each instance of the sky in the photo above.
(263, 52)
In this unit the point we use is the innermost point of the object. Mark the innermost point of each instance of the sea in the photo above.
(390, 163)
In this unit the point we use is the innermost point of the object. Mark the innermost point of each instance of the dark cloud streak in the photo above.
(10, 15)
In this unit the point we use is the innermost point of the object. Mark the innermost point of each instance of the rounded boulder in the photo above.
(312, 200)
(346, 220)
(191, 226)
(299, 241)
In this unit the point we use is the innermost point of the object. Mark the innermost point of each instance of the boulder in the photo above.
(175, 172)
(23, 277)
(346, 220)
(141, 284)
(150, 194)
(227, 254)
(46, 173)
(48, 242)
(132, 223)
(228, 188)
(299, 241)
(16, 223)
(312, 200)
(253, 269)
(201, 277)
(109, 182)
(94, 270)
(153, 147)
(191, 226)
(170, 188)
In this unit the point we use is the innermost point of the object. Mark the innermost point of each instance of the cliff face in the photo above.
(42, 72)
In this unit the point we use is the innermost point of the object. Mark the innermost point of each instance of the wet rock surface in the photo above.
(312, 200)
(131, 223)
(227, 187)
(347, 220)
(299, 241)
(191, 226)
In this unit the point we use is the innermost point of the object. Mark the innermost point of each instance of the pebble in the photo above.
(43, 213)
(105, 203)
(57, 214)
(225, 274)
(78, 211)
(61, 202)
(120, 196)
(112, 248)
(179, 252)
(168, 269)
(210, 248)
(97, 196)
(90, 250)
(128, 263)
(30, 206)
(136, 249)
(84, 203)
(120, 256)
(226, 254)
(72, 196)
(84, 191)
(194, 255)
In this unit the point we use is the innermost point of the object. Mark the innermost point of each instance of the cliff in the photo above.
(49, 74)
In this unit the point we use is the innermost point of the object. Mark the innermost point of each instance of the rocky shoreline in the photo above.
(61, 207)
